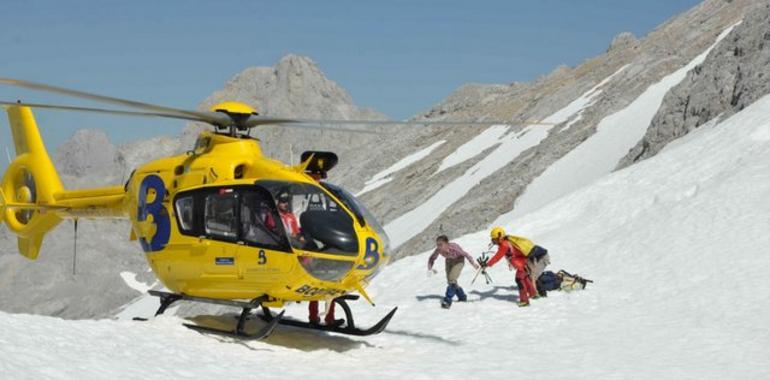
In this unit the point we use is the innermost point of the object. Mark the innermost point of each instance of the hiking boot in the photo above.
(463, 299)
(522, 304)
(445, 305)
(315, 321)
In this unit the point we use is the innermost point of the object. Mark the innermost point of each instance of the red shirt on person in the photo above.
(515, 256)
(289, 222)
(518, 261)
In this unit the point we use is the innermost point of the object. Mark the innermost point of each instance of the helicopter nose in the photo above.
(372, 254)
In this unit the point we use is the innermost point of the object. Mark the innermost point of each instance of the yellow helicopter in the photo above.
(220, 224)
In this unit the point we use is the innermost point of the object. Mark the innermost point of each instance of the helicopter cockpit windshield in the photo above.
(363, 215)
(313, 221)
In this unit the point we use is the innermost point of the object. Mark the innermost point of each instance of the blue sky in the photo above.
(399, 57)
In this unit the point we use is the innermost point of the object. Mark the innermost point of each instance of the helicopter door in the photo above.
(221, 226)
(262, 240)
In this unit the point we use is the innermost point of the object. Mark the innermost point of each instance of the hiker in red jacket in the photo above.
(516, 259)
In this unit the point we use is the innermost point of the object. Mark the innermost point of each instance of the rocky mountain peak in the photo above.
(88, 152)
(622, 41)
(294, 87)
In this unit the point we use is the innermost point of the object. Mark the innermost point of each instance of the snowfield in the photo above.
(385, 176)
(677, 246)
(488, 138)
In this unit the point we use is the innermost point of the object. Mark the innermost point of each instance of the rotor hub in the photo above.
(234, 108)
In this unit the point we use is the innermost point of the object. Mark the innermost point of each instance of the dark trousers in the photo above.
(453, 290)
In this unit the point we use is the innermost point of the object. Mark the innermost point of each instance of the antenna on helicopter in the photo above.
(75, 249)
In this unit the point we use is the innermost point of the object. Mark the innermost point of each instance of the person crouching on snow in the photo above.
(455, 260)
(517, 259)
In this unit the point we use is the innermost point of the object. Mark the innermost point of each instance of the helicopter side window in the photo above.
(220, 216)
(259, 221)
(184, 210)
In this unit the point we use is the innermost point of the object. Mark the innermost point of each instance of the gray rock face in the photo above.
(88, 153)
(297, 88)
(472, 95)
(623, 40)
(734, 75)
(284, 90)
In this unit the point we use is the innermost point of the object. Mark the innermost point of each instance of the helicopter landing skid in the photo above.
(349, 326)
(239, 331)
(166, 299)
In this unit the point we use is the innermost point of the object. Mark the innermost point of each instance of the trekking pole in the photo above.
(487, 277)
(482, 268)
(477, 275)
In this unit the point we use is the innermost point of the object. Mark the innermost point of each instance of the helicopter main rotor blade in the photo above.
(102, 111)
(209, 117)
(282, 122)
(223, 119)
(317, 127)
(255, 121)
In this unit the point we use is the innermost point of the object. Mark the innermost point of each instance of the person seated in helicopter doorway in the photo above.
(455, 258)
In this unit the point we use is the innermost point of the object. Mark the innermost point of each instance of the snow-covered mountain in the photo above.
(601, 109)
(675, 245)
(607, 113)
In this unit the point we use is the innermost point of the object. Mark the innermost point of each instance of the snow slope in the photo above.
(676, 244)
(615, 135)
(509, 146)
(481, 142)
(385, 176)
(492, 135)
(415, 221)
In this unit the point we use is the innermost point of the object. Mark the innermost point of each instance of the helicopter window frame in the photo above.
(185, 215)
(346, 200)
(276, 234)
(211, 225)
(278, 241)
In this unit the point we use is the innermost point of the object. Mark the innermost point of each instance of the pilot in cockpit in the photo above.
(289, 220)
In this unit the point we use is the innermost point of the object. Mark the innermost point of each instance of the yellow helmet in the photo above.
(497, 233)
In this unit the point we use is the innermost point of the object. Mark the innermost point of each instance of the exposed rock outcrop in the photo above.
(734, 75)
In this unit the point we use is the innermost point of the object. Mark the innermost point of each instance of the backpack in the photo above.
(522, 244)
(548, 281)
(572, 282)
